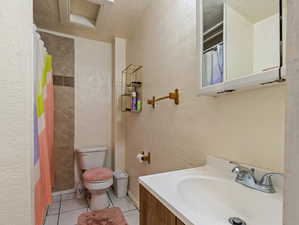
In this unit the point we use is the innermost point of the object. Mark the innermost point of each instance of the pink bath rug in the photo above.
(111, 216)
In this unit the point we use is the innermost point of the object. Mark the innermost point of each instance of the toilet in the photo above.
(96, 178)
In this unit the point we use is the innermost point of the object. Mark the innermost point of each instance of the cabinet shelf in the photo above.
(217, 27)
(252, 81)
(135, 84)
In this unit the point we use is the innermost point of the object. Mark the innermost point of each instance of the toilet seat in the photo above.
(96, 175)
(98, 178)
(98, 185)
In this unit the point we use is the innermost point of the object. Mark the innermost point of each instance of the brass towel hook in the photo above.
(172, 95)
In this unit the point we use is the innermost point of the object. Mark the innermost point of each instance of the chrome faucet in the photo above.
(246, 177)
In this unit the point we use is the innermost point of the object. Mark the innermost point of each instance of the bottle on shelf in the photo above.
(134, 101)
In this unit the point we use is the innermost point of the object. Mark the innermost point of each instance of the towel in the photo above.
(217, 75)
(220, 57)
(207, 68)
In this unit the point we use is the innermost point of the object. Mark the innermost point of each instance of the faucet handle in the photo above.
(239, 168)
(266, 179)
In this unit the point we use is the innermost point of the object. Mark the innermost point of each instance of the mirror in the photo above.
(212, 42)
(252, 37)
(239, 39)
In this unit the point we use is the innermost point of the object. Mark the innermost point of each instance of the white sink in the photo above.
(209, 195)
(221, 199)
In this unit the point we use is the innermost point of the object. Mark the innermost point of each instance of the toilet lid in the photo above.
(98, 174)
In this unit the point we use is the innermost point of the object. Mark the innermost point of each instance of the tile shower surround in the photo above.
(62, 49)
(63, 81)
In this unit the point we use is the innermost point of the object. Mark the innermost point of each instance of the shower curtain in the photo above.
(43, 129)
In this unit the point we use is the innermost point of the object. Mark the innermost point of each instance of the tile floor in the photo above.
(66, 208)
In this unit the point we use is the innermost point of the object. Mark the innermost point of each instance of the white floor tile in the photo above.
(110, 206)
(132, 217)
(54, 208)
(56, 198)
(70, 218)
(69, 205)
(125, 204)
(68, 196)
(51, 220)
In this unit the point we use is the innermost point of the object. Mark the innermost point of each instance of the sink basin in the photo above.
(209, 195)
(221, 199)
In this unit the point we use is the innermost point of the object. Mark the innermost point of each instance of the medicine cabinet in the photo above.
(240, 44)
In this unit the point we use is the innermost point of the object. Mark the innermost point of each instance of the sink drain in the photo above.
(236, 221)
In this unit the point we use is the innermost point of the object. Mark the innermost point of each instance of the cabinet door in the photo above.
(178, 222)
(152, 212)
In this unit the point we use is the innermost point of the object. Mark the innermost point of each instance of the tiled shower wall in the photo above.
(62, 49)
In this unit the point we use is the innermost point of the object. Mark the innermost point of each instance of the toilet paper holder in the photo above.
(146, 158)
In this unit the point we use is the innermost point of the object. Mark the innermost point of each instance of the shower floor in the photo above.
(66, 208)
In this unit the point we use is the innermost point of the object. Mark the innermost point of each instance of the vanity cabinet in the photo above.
(178, 222)
(153, 212)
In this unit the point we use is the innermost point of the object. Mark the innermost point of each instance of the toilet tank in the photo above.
(92, 157)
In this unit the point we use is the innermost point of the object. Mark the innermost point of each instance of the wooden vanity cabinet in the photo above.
(153, 212)
(178, 222)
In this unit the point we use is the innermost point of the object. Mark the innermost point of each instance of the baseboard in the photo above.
(136, 203)
(64, 192)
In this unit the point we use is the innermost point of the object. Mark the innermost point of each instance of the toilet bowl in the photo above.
(96, 179)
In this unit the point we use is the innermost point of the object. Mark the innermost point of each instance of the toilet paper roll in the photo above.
(139, 157)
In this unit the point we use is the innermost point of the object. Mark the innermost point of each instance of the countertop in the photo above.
(194, 204)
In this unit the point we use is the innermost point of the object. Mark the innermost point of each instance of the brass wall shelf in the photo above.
(172, 95)
(132, 84)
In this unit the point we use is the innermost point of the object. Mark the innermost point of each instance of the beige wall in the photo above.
(247, 127)
(93, 97)
(93, 83)
(291, 200)
(16, 113)
(118, 118)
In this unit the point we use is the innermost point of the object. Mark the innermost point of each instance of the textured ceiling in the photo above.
(85, 8)
(119, 19)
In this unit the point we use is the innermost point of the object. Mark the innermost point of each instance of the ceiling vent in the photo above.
(82, 12)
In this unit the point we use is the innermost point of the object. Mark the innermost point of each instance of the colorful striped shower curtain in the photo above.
(43, 130)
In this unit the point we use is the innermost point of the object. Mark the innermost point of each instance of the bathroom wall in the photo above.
(118, 117)
(62, 49)
(93, 93)
(93, 97)
(247, 127)
(291, 198)
(16, 114)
